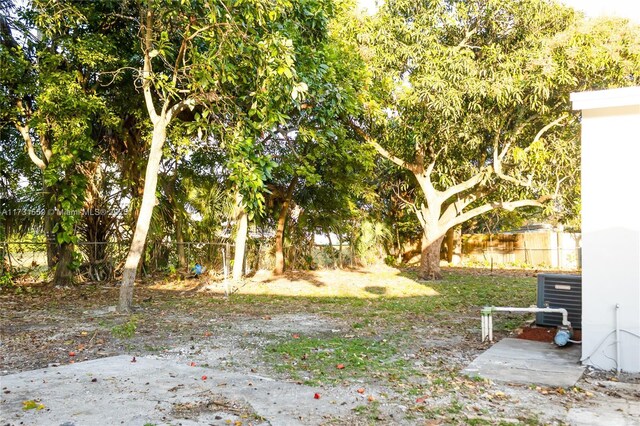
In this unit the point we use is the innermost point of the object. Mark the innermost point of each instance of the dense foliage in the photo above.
(154, 125)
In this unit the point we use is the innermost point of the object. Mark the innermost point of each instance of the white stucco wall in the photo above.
(610, 226)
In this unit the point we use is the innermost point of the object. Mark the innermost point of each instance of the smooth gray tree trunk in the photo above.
(144, 217)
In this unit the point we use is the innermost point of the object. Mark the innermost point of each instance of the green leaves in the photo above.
(32, 405)
(299, 90)
(466, 79)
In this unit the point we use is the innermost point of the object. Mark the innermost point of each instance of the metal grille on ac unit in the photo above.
(560, 291)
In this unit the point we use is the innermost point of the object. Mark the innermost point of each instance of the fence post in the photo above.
(226, 272)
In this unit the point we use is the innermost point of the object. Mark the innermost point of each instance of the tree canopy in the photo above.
(472, 98)
(186, 120)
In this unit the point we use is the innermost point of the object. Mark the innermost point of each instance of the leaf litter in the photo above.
(53, 326)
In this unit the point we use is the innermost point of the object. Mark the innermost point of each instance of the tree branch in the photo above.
(457, 207)
(406, 202)
(432, 164)
(147, 70)
(26, 135)
(498, 155)
(178, 107)
(24, 131)
(287, 139)
(546, 128)
(508, 205)
(195, 34)
(386, 154)
(467, 36)
(497, 167)
(183, 48)
(466, 185)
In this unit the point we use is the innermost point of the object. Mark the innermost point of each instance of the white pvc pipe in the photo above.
(565, 314)
(491, 328)
(617, 338)
(487, 318)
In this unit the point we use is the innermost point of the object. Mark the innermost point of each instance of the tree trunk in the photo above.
(144, 217)
(430, 259)
(170, 189)
(50, 241)
(5, 258)
(64, 275)
(450, 244)
(398, 246)
(333, 259)
(242, 224)
(456, 245)
(48, 226)
(182, 258)
(282, 220)
(352, 247)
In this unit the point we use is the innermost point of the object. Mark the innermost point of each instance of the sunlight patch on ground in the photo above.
(361, 283)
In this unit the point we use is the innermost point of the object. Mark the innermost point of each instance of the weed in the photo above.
(455, 407)
(126, 330)
(31, 405)
(479, 422)
(370, 411)
(531, 420)
(361, 324)
(151, 348)
(6, 280)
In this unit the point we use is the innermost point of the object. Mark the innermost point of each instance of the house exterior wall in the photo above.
(610, 227)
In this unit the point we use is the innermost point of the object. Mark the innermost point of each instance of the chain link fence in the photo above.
(104, 261)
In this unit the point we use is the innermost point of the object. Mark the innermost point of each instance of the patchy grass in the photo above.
(387, 329)
(369, 412)
(458, 296)
(127, 329)
(331, 360)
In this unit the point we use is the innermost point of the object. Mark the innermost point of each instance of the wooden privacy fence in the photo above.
(549, 249)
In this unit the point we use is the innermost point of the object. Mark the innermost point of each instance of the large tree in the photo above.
(232, 65)
(471, 98)
(51, 56)
(316, 150)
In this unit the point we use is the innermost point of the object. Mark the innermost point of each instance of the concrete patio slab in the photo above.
(528, 362)
(115, 390)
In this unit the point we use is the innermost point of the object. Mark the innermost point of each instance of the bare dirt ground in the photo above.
(403, 342)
